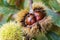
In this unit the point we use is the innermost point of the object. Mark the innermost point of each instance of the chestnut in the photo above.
(39, 14)
(30, 19)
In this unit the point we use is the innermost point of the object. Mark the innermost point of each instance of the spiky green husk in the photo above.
(10, 31)
(38, 5)
(21, 14)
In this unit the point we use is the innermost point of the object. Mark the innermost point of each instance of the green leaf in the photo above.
(6, 11)
(41, 36)
(5, 3)
(52, 36)
(55, 17)
(53, 4)
(26, 3)
(56, 30)
(12, 2)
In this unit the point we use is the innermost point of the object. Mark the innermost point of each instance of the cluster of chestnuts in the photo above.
(31, 18)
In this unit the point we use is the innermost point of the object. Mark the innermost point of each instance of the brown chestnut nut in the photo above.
(30, 19)
(39, 14)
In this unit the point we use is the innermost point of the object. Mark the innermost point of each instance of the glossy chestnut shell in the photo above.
(39, 14)
(30, 19)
